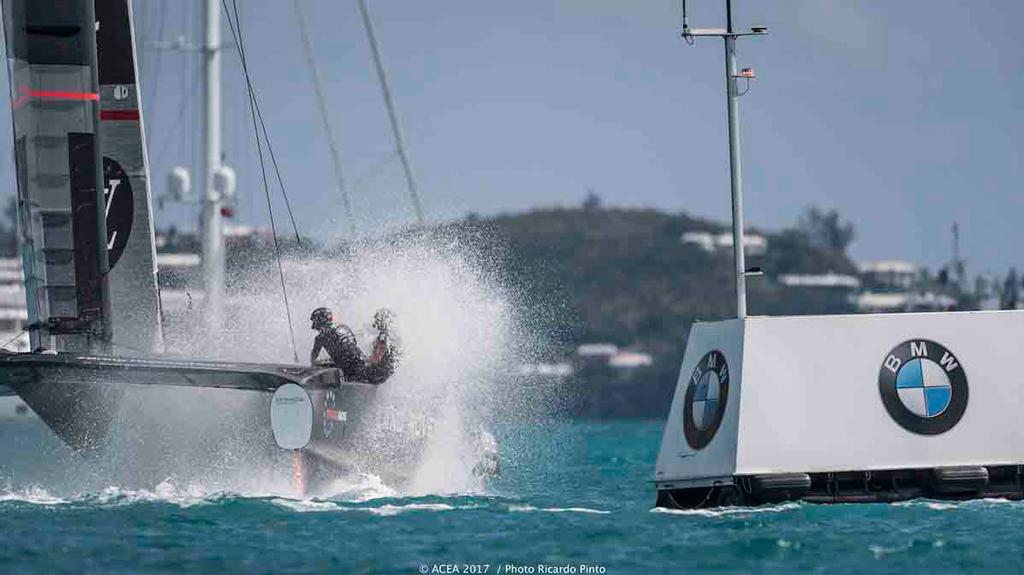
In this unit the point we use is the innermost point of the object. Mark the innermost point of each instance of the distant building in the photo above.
(13, 306)
(889, 274)
(892, 302)
(753, 244)
(630, 360)
(827, 280)
(542, 369)
(609, 355)
(602, 351)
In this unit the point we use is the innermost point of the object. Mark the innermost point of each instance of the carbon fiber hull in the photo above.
(78, 396)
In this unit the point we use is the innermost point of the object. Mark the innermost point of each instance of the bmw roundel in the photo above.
(706, 397)
(923, 387)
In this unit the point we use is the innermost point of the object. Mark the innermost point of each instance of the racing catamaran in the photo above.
(87, 243)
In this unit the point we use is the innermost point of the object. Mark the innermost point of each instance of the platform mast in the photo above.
(218, 179)
(212, 197)
(732, 77)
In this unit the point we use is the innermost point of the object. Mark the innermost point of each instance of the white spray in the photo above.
(461, 339)
(459, 335)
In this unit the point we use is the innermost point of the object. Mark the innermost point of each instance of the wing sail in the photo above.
(134, 301)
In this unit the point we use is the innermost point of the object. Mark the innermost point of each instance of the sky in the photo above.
(904, 116)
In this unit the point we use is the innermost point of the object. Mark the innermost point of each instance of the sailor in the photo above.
(386, 348)
(340, 343)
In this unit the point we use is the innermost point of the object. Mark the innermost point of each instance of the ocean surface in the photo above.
(573, 497)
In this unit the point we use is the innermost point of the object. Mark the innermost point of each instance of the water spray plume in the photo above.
(462, 338)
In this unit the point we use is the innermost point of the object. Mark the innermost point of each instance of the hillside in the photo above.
(624, 276)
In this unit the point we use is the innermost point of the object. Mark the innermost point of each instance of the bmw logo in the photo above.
(706, 397)
(923, 387)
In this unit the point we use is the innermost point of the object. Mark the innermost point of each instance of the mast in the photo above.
(958, 262)
(218, 179)
(213, 198)
(733, 94)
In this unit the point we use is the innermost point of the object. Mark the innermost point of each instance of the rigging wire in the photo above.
(339, 175)
(10, 341)
(389, 103)
(277, 171)
(239, 45)
(254, 102)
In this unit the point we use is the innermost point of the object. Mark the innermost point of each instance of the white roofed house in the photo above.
(546, 369)
(892, 286)
(610, 355)
(630, 360)
(815, 293)
(598, 350)
(592, 355)
(754, 244)
(891, 302)
(889, 275)
(829, 280)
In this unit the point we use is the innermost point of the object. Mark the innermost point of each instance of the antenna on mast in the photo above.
(958, 262)
(733, 93)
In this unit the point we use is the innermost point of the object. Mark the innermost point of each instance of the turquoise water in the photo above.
(572, 495)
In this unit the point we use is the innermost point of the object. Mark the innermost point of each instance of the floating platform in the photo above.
(846, 409)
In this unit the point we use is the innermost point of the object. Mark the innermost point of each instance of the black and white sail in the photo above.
(91, 282)
(51, 49)
(135, 302)
(86, 230)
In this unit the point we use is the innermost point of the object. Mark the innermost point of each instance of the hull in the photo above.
(77, 396)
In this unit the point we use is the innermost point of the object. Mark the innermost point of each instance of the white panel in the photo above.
(676, 459)
(811, 401)
(291, 416)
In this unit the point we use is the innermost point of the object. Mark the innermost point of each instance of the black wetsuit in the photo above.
(340, 343)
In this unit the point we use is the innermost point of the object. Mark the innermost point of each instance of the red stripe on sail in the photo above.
(25, 94)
